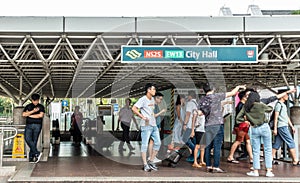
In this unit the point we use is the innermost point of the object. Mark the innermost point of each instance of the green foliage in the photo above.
(5, 106)
(296, 12)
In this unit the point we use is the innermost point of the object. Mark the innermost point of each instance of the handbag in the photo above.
(244, 127)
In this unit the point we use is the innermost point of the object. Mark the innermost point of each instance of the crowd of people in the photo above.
(199, 125)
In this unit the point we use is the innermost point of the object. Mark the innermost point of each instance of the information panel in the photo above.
(189, 54)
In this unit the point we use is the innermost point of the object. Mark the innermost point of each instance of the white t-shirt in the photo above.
(125, 114)
(147, 110)
(190, 107)
(201, 122)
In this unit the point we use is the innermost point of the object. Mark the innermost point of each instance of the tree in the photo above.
(296, 12)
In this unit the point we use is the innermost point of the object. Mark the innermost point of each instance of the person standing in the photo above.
(198, 131)
(241, 134)
(254, 113)
(125, 117)
(148, 126)
(157, 114)
(179, 118)
(76, 124)
(34, 113)
(211, 107)
(187, 125)
(281, 130)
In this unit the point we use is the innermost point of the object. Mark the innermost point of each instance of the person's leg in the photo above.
(276, 145)
(286, 136)
(145, 135)
(29, 140)
(255, 141)
(202, 151)
(150, 147)
(156, 142)
(249, 149)
(126, 136)
(123, 138)
(36, 133)
(218, 141)
(232, 150)
(267, 139)
(209, 144)
(187, 140)
(195, 164)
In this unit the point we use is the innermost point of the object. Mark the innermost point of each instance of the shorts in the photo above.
(242, 136)
(284, 135)
(199, 139)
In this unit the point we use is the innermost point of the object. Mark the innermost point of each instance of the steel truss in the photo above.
(69, 65)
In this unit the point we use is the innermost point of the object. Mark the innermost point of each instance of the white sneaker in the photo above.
(156, 160)
(253, 174)
(270, 174)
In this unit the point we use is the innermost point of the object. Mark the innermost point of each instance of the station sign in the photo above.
(190, 54)
(64, 103)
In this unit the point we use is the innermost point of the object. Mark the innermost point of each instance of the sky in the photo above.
(131, 8)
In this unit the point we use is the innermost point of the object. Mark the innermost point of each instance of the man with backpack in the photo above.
(281, 129)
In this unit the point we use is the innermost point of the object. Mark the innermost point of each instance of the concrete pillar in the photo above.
(18, 119)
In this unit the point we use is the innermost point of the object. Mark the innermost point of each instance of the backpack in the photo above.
(271, 121)
(205, 105)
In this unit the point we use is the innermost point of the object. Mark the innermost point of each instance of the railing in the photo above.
(2, 139)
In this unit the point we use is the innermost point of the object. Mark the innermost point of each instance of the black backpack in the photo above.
(205, 105)
(271, 121)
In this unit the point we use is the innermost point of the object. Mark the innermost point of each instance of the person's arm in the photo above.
(186, 120)
(276, 115)
(291, 125)
(135, 122)
(29, 113)
(193, 123)
(159, 113)
(36, 116)
(136, 111)
(284, 93)
(235, 90)
(178, 113)
(240, 116)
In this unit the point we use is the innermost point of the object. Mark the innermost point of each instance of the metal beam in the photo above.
(35, 88)
(8, 93)
(80, 64)
(15, 65)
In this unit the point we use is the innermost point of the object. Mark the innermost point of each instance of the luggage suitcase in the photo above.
(173, 158)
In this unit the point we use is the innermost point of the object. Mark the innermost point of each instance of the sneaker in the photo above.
(156, 160)
(253, 174)
(152, 166)
(147, 168)
(38, 158)
(270, 174)
(275, 162)
(218, 170)
(31, 160)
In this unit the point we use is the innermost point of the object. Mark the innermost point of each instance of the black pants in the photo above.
(125, 135)
(77, 133)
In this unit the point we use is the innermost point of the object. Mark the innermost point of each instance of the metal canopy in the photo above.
(80, 57)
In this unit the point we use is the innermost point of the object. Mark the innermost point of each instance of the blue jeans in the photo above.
(214, 136)
(146, 133)
(187, 140)
(32, 132)
(263, 131)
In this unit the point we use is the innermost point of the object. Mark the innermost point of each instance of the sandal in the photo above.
(196, 166)
(296, 164)
(233, 161)
(202, 164)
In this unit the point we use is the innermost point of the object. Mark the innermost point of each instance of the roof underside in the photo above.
(80, 57)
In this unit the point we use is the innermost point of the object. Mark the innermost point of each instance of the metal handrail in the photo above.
(5, 128)
(2, 139)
